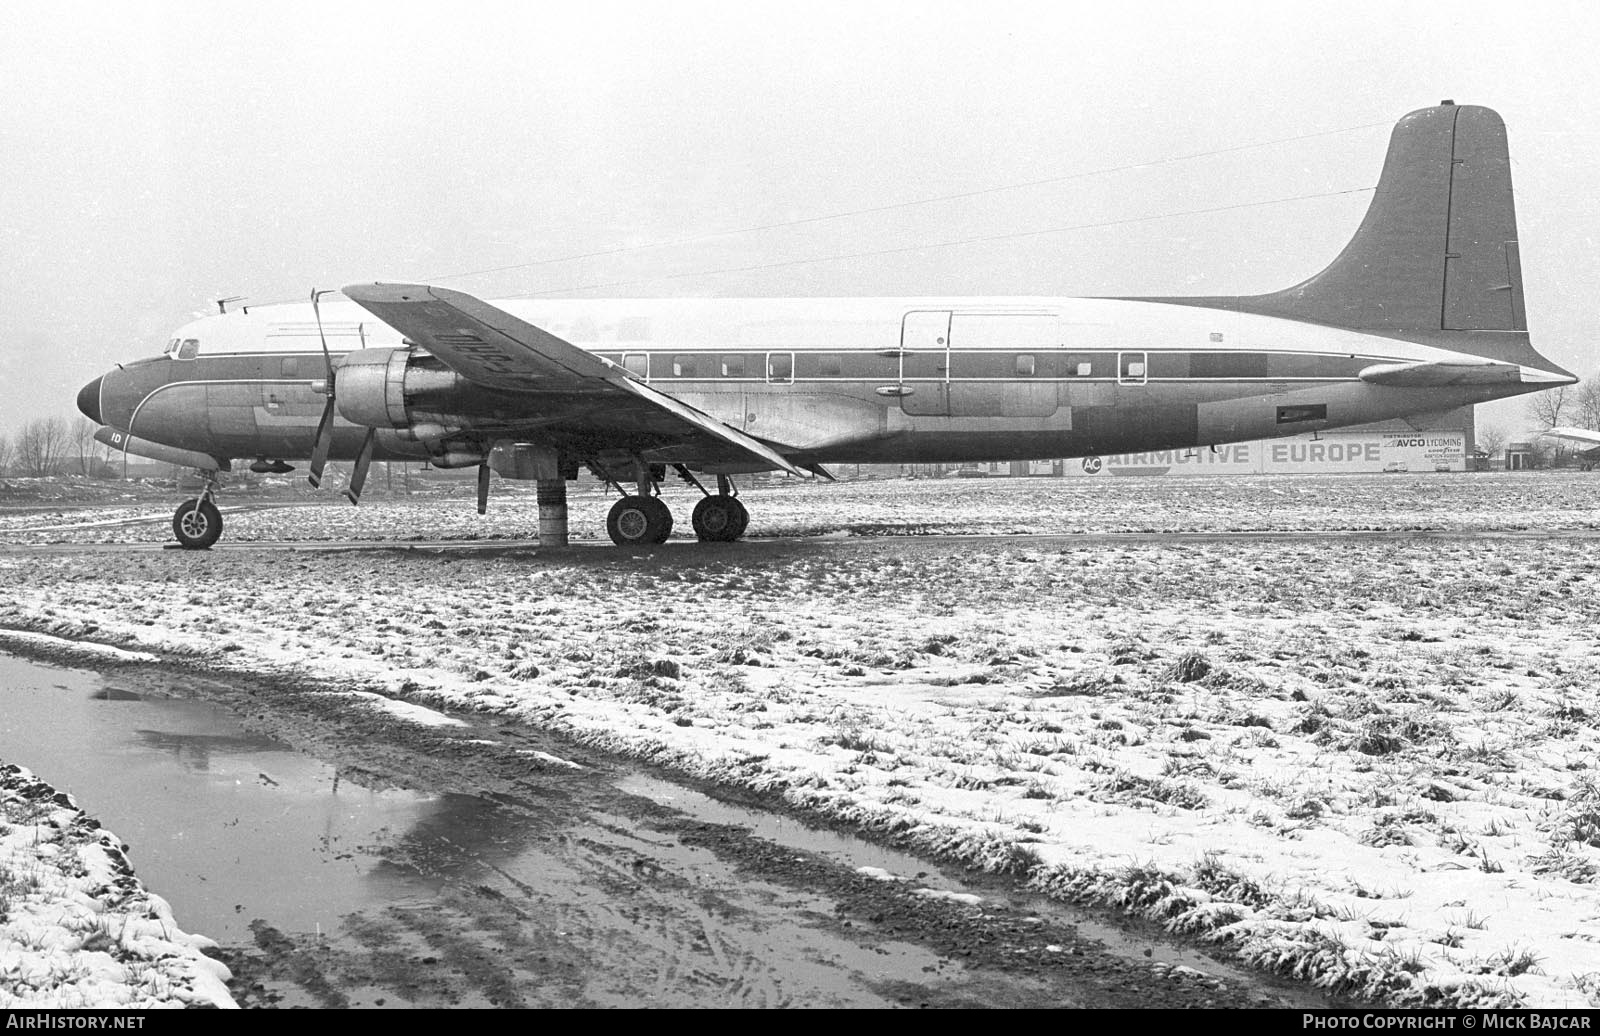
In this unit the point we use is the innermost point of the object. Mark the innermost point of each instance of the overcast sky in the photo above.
(156, 156)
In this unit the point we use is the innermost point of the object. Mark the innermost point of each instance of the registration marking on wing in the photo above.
(491, 357)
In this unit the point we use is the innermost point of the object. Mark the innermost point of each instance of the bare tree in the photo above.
(1548, 407)
(1546, 454)
(41, 446)
(90, 454)
(1586, 400)
(1492, 439)
(5, 454)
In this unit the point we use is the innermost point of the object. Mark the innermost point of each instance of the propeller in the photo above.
(319, 454)
(358, 478)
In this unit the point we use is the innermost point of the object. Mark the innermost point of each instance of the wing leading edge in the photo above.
(1580, 435)
(490, 347)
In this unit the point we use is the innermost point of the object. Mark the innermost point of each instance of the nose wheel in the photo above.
(197, 524)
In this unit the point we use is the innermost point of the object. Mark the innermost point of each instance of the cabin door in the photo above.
(924, 387)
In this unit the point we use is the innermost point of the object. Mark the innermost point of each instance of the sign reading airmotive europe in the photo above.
(1329, 453)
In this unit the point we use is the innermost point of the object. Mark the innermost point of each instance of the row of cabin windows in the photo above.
(934, 366)
(993, 365)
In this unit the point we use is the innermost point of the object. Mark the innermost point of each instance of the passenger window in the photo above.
(829, 365)
(1084, 370)
(683, 366)
(780, 366)
(189, 349)
(291, 367)
(733, 366)
(637, 363)
(1025, 365)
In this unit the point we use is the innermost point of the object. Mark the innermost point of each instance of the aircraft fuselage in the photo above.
(836, 380)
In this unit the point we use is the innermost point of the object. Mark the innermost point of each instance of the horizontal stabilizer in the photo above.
(1441, 374)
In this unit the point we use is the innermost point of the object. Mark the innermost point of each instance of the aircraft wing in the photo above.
(1583, 435)
(490, 347)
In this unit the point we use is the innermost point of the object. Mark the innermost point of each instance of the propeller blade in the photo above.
(483, 487)
(319, 456)
(358, 478)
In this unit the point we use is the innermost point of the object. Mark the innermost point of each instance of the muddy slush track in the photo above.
(570, 891)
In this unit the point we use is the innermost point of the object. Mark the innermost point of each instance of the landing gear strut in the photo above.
(197, 523)
(718, 518)
(641, 518)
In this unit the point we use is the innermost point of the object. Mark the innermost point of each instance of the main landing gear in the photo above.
(197, 523)
(719, 518)
(641, 518)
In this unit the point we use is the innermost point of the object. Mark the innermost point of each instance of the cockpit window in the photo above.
(172, 348)
(189, 349)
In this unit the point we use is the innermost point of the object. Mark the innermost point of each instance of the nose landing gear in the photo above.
(197, 523)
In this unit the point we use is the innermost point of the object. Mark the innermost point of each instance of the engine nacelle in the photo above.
(378, 388)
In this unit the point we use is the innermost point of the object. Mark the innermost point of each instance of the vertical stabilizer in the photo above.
(1437, 250)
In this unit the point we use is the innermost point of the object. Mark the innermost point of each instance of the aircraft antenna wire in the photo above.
(872, 210)
(894, 206)
(985, 239)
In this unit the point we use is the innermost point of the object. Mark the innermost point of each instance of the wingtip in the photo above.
(380, 291)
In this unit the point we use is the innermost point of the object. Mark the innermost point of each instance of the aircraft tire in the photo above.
(197, 527)
(636, 520)
(717, 519)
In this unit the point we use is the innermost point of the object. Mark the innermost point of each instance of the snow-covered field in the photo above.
(77, 929)
(1370, 762)
(784, 508)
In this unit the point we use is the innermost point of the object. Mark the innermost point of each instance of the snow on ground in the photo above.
(794, 507)
(89, 651)
(1369, 762)
(411, 712)
(76, 928)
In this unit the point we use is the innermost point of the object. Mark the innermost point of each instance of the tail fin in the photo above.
(1437, 250)
(1435, 259)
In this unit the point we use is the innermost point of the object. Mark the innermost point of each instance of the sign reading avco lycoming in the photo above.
(1329, 453)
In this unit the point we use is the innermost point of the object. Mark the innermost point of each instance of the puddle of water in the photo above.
(223, 823)
(230, 826)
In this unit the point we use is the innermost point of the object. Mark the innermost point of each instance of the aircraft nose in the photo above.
(89, 401)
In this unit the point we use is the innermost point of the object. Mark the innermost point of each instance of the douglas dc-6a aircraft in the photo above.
(1422, 311)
